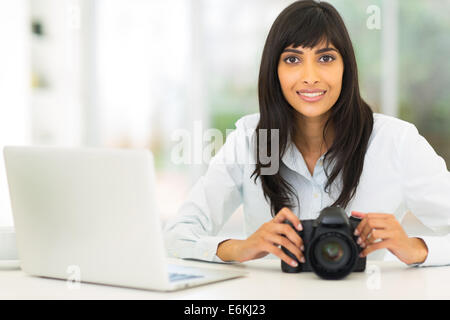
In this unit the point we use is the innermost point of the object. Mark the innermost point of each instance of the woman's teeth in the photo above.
(312, 95)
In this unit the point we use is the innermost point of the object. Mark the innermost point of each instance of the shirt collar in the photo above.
(294, 160)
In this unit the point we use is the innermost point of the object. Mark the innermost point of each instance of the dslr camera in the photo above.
(331, 250)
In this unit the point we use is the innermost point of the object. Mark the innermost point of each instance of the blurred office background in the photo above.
(128, 73)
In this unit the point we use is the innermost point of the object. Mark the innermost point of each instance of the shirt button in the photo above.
(205, 254)
(316, 195)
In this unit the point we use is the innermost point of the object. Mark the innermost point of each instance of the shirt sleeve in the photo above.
(210, 203)
(426, 190)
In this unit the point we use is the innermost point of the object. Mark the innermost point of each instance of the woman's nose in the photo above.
(310, 75)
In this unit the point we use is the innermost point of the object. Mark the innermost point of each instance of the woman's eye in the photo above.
(294, 60)
(327, 58)
(291, 60)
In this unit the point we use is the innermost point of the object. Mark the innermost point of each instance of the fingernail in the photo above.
(356, 233)
(361, 255)
(302, 260)
(294, 264)
(299, 227)
(358, 241)
(302, 248)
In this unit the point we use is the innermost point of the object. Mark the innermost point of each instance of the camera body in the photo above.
(331, 250)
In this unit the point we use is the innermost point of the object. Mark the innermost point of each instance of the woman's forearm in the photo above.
(421, 249)
(226, 250)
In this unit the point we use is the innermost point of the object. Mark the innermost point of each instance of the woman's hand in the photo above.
(379, 230)
(267, 239)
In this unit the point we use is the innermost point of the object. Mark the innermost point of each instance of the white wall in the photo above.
(14, 88)
(56, 59)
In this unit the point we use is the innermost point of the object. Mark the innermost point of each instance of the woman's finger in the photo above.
(280, 254)
(371, 224)
(284, 242)
(287, 214)
(378, 234)
(385, 244)
(287, 231)
(366, 217)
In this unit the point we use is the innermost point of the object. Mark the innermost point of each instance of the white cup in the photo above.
(8, 245)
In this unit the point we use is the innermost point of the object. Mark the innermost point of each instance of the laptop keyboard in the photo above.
(181, 276)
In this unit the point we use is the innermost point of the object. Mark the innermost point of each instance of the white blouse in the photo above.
(401, 173)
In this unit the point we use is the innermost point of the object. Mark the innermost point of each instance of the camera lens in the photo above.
(332, 251)
(332, 255)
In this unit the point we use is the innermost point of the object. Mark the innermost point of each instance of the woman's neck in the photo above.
(309, 136)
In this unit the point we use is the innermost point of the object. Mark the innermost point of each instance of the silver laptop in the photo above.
(93, 210)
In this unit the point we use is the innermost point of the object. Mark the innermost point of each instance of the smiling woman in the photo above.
(309, 51)
(332, 149)
(303, 70)
(319, 77)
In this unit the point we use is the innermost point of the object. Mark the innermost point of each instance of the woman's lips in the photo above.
(312, 97)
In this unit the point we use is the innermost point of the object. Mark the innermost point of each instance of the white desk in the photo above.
(382, 280)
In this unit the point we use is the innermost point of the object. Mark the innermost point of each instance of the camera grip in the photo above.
(360, 262)
(284, 266)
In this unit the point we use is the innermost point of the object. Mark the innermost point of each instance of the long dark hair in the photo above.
(306, 23)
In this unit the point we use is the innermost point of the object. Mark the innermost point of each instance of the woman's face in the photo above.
(311, 79)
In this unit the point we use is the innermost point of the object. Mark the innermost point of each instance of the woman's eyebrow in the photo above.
(317, 51)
